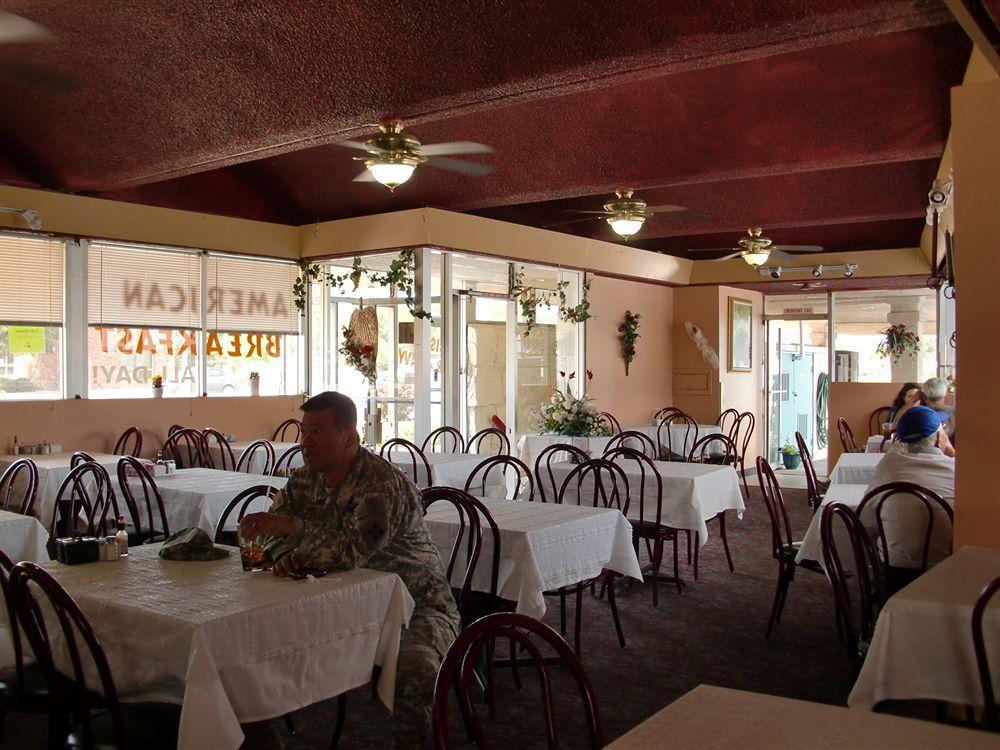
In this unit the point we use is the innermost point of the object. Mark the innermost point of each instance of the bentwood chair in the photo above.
(132, 476)
(257, 458)
(674, 436)
(649, 528)
(928, 503)
(877, 418)
(846, 434)
(635, 440)
(665, 412)
(506, 466)
(991, 717)
(283, 463)
(602, 484)
(129, 443)
(744, 434)
(855, 614)
(417, 459)
(240, 504)
(553, 454)
(783, 549)
(727, 421)
(74, 713)
(187, 447)
(444, 435)
(815, 490)
(82, 504)
(475, 444)
(174, 428)
(473, 645)
(713, 449)
(80, 457)
(608, 422)
(226, 460)
(281, 431)
(19, 486)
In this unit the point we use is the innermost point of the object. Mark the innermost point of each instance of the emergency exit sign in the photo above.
(798, 311)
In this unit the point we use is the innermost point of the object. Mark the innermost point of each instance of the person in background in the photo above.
(922, 455)
(909, 395)
(935, 391)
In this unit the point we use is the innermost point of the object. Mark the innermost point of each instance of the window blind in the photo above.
(31, 280)
(144, 287)
(244, 294)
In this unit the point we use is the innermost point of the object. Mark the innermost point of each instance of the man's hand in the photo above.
(286, 564)
(265, 524)
(945, 444)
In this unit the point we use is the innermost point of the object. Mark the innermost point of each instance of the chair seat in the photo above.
(652, 529)
(31, 696)
(479, 604)
(147, 725)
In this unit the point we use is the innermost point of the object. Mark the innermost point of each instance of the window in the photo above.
(31, 316)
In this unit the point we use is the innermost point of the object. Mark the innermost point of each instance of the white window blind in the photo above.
(31, 280)
(243, 294)
(144, 287)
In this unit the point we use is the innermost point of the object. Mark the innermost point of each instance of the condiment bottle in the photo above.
(122, 538)
(16, 447)
(112, 548)
(159, 457)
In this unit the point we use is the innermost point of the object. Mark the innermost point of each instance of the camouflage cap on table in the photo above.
(191, 544)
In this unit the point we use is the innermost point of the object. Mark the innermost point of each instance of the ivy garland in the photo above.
(529, 298)
(399, 278)
(630, 334)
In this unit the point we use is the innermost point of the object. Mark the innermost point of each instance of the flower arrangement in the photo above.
(254, 376)
(630, 334)
(897, 342)
(359, 356)
(157, 381)
(565, 414)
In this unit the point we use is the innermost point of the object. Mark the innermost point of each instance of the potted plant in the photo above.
(157, 386)
(255, 383)
(790, 456)
(898, 342)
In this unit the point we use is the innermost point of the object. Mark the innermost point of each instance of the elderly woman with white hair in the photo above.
(935, 390)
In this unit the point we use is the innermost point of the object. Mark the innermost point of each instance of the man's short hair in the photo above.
(935, 389)
(345, 413)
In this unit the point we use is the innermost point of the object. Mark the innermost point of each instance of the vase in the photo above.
(157, 392)
(791, 460)
(254, 387)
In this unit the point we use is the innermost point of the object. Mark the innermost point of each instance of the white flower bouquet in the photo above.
(565, 414)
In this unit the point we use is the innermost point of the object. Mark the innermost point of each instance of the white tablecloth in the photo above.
(922, 647)
(692, 493)
(855, 468)
(447, 469)
(812, 544)
(542, 547)
(715, 718)
(257, 465)
(874, 443)
(234, 647)
(52, 470)
(198, 497)
(681, 436)
(22, 537)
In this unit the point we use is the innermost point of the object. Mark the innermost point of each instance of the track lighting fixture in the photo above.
(818, 270)
(776, 273)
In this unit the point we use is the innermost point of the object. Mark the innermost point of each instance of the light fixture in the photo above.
(776, 273)
(757, 257)
(627, 225)
(818, 270)
(28, 214)
(849, 270)
(391, 170)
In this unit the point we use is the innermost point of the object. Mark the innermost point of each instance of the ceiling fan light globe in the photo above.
(391, 174)
(755, 258)
(626, 226)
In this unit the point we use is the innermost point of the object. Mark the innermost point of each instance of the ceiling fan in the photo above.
(755, 249)
(16, 29)
(625, 213)
(392, 156)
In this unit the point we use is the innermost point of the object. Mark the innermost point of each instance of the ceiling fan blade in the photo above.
(666, 209)
(365, 176)
(352, 144)
(797, 248)
(780, 255)
(32, 75)
(455, 147)
(578, 211)
(715, 250)
(571, 221)
(15, 29)
(728, 257)
(472, 168)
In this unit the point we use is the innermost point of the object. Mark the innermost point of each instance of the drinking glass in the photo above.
(253, 552)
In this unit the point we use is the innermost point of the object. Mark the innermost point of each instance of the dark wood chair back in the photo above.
(674, 437)
(252, 453)
(727, 421)
(240, 504)
(781, 528)
(877, 418)
(281, 432)
(475, 443)
(650, 481)
(813, 491)
(129, 443)
(637, 441)
(665, 412)
(13, 627)
(85, 497)
(847, 440)
(856, 612)
(283, 463)
(19, 487)
(608, 422)
(86, 656)
(991, 717)
(744, 433)
(927, 499)
(458, 674)
(444, 435)
(714, 448)
(604, 483)
(187, 447)
(80, 457)
(226, 460)
(418, 460)
(524, 485)
(174, 428)
(133, 477)
(554, 454)
(471, 513)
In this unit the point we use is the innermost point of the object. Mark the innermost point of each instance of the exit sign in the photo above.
(798, 311)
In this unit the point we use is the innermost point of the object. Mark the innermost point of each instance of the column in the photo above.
(906, 311)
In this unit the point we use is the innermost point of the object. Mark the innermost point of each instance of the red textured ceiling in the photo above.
(826, 118)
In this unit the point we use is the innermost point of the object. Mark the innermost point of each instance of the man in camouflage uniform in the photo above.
(350, 508)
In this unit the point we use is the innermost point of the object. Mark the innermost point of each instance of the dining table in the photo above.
(231, 646)
(855, 468)
(447, 469)
(22, 537)
(257, 462)
(811, 548)
(543, 546)
(718, 718)
(922, 645)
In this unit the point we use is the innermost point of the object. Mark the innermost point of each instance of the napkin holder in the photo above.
(75, 550)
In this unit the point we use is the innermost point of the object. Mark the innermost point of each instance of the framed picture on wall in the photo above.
(740, 335)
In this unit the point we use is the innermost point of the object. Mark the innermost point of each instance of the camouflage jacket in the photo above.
(373, 519)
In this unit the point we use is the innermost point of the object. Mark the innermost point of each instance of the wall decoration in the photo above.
(740, 335)
(529, 298)
(567, 414)
(360, 341)
(701, 343)
(630, 334)
(898, 342)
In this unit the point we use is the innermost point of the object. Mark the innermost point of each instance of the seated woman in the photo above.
(909, 395)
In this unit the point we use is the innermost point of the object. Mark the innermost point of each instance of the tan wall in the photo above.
(632, 399)
(94, 425)
(975, 114)
(855, 402)
(696, 386)
(742, 390)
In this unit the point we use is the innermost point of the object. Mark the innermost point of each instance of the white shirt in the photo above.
(905, 518)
